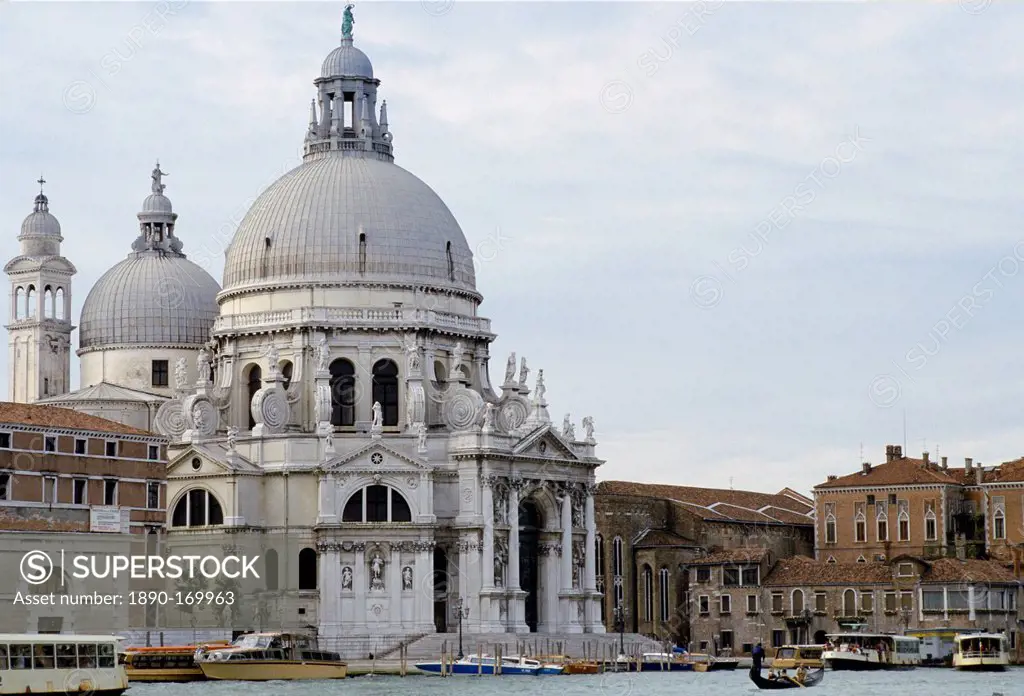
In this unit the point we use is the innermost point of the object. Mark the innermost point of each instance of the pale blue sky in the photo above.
(610, 164)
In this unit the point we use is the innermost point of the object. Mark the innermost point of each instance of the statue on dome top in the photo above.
(346, 23)
(158, 186)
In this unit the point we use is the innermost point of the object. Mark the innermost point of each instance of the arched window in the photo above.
(20, 311)
(617, 556)
(286, 374)
(451, 262)
(376, 503)
(663, 594)
(48, 303)
(440, 376)
(58, 304)
(255, 382)
(860, 524)
(307, 569)
(849, 603)
(362, 252)
(648, 590)
(931, 526)
(998, 524)
(343, 393)
(270, 569)
(30, 307)
(903, 525)
(797, 602)
(385, 389)
(599, 555)
(197, 508)
(882, 523)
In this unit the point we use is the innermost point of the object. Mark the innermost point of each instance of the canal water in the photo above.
(918, 682)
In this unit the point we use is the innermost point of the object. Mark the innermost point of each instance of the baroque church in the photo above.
(331, 405)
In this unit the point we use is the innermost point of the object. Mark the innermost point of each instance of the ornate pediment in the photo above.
(545, 442)
(375, 457)
(212, 459)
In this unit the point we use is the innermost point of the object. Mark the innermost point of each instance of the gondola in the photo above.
(812, 679)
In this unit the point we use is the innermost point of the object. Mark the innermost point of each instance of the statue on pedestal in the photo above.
(510, 368)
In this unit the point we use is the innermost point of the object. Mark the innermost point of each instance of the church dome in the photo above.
(156, 296)
(342, 218)
(346, 61)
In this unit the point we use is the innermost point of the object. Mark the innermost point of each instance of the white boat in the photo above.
(981, 652)
(60, 664)
(870, 651)
(485, 664)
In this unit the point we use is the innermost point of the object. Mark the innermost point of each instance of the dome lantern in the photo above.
(40, 232)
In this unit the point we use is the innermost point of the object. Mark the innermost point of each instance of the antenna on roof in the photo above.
(905, 430)
(861, 453)
(730, 483)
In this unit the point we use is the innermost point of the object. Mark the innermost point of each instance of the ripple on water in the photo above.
(918, 682)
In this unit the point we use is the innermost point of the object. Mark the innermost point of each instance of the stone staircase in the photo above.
(592, 645)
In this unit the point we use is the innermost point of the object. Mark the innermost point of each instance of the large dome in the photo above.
(343, 218)
(150, 299)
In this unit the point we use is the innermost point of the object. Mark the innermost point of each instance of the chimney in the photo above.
(968, 463)
(944, 465)
(979, 471)
(832, 477)
(925, 460)
(889, 453)
(897, 451)
(866, 468)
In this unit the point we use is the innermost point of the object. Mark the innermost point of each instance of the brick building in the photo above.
(648, 534)
(76, 483)
(920, 507)
(743, 596)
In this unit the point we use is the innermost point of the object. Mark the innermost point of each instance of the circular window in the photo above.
(377, 458)
(197, 464)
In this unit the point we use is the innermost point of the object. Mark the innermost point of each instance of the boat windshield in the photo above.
(252, 640)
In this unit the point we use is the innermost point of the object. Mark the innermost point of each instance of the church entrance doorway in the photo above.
(441, 589)
(530, 524)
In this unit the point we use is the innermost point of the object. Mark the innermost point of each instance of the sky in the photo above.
(757, 242)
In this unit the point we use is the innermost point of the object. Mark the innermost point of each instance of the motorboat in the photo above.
(801, 678)
(172, 663)
(795, 656)
(980, 652)
(270, 656)
(60, 664)
(703, 662)
(665, 662)
(571, 665)
(869, 651)
(487, 664)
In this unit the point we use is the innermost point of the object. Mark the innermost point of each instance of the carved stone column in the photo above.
(328, 510)
(424, 586)
(488, 540)
(592, 602)
(360, 583)
(512, 581)
(330, 592)
(394, 588)
(566, 541)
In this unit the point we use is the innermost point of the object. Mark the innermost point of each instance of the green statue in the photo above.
(346, 22)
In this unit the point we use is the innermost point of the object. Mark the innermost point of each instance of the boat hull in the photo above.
(842, 664)
(812, 679)
(62, 682)
(143, 676)
(666, 667)
(981, 666)
(272, 670)
(457, 668)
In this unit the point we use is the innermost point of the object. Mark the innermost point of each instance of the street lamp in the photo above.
(620, 625)
(462, 612)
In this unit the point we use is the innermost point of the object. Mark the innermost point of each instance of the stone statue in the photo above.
(499, 571)
(410, 407)
(203, 365)
(421, 445)
(323, 355)
(378, 415)
(347, 20)
(412, 354)
(510, 368)
(524, 372)
(197, 417)
(346, 578)
(232, 437)
(588, 427)
(181, 373)
(457, 353)
(500, 505)
(377, 572)
(329, 440)
(539, 395)
(568, 429)
(158, 186)
(407, 578)
(488, 418)
(318, 417)
(273, 358)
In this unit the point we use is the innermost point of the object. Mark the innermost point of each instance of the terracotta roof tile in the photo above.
(802, 571)
(726, 556)
(896, 472)
(946, 570)
(41, 416)
(660, 537)
(720, 504)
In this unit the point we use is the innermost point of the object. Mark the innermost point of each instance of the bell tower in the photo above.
(39, 330)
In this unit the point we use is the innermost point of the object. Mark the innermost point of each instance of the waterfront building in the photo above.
(648, 534)
(79, 484)
(920, 507)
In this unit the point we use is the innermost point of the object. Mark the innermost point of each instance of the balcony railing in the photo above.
(353, 317)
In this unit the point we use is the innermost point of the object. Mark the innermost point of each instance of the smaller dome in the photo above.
(346, 61)
(157, 203)
(40, 223)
